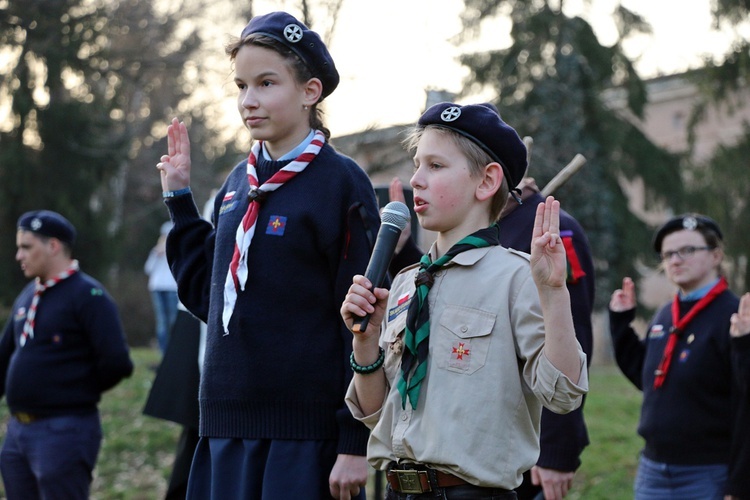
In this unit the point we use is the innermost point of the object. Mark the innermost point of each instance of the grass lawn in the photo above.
(137, 452)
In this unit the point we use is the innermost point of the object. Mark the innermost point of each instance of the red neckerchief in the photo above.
(40, 287)
(678, 326)
(238, 270)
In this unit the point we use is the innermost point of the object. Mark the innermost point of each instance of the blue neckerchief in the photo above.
(294, 153)
(699, 293)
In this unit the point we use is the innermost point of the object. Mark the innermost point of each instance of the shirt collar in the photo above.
(294, 153)
(699, 293)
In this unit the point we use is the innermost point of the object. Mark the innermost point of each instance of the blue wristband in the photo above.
(179, 192)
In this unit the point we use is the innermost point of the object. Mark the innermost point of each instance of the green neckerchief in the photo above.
(417, 335)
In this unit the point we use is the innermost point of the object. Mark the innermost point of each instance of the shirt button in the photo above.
(464, 329)
(404, 417)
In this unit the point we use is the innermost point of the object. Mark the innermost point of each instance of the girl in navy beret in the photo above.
(689, 365)
(291, 225)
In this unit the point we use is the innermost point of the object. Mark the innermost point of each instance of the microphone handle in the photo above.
(381, 257)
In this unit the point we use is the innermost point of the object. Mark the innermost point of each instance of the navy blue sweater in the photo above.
(283, 369)
(692, 418)
(77, 352)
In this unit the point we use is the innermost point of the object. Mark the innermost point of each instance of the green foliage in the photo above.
(138, 451)
(90, 87)
(554, 83)
(720, 188)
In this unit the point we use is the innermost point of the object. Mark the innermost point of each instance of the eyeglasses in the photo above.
(683, 253)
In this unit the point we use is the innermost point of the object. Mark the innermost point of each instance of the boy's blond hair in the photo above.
(475, 155)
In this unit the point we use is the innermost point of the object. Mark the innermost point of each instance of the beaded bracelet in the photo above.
(366, 370)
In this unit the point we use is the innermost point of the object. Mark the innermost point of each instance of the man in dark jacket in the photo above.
(61, 349)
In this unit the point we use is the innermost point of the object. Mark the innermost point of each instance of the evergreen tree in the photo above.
(84, 87)
(719, 186)
(558, 84)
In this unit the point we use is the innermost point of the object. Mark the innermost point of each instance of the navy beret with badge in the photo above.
(481, 123)
(48, 223)
(691, 222)
(287, 30)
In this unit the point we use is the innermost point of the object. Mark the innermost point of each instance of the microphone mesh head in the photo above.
(396, 214)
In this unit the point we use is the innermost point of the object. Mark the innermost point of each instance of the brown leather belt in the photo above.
(417, 481)
(25, 418)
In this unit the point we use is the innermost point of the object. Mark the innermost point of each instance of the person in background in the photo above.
(174, 393)
(163, 288)
(174, 396)
(292, 225)
(61, 349)
(739, 329)
(456, 361)
(563, 436)
(687, 367)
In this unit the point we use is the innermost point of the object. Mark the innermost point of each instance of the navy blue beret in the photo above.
(286, 29)
(481, 123)
(48, 223)
(691, 222)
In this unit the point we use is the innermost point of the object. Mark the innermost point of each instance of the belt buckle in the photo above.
(24, 418)
(408, 481)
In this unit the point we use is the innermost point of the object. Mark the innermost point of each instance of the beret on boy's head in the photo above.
(691, 222)
(48, 223)
(287, 30)
(481, 123)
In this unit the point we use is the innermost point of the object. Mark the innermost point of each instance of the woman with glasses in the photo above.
(686, 366)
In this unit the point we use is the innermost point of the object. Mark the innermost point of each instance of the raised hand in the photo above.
(623, 299)
(175, 166)
(548, 265)
(740, 321)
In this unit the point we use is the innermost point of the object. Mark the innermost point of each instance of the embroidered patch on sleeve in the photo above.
(276, 225)
(402, 304)
(575, 271)
(656, 332)
(228, 203)
(20, 314)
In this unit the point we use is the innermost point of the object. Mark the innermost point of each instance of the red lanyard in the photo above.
(678, 326)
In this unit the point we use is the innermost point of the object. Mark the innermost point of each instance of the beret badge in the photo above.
(293, 33)
(690, 223)
(450, 114)
(36, 223)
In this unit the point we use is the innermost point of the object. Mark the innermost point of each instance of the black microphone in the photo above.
(393, 219)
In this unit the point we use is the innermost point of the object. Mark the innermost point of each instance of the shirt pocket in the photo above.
(463, 339)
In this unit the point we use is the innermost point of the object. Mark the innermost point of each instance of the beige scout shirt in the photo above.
(487, 376)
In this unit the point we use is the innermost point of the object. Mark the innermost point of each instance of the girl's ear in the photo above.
(492, 179)
(313, 89)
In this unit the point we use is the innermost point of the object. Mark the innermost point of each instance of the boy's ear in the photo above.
(492, 179)
(313, 89)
